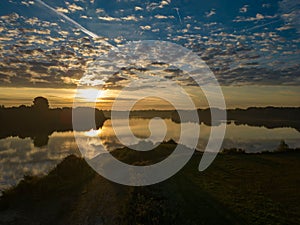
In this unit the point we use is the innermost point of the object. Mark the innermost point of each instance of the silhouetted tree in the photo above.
(40, 140)
(282, 147)
(38, 121)
(40, 103)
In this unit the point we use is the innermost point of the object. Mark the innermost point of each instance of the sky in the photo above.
(252, 47)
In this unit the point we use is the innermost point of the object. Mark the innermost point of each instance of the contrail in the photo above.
(262, 25)
(84, 30)
(178, 14)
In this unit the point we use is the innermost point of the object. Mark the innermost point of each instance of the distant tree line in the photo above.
(38, 121)
(269, 117)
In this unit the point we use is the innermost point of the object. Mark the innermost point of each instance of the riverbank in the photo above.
(235, 189)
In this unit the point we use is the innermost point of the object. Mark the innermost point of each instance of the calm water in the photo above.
(20, 157)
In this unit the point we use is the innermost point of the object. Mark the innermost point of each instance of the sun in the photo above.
(90, 94)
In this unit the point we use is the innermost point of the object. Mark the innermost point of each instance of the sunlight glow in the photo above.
(92, 133)
(90, 94)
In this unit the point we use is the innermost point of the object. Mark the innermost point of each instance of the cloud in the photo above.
(73, 7)
(69, 80)
(28, 44)
(244, 9)
(153, 5)
(99, 10)
(27, 3)
(109, 18)
(147, 27)
(10, 17)
(131, 17)
(42, 56)
(210, 13)
(19, 157)
(256, 18)
(125, 18)
(62, 10)
(285, 27)
(161, 17)
(137, 8)
(291, 13)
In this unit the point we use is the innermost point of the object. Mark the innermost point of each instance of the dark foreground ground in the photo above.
(235, 189)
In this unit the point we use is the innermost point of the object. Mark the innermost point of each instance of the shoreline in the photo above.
(264, 185)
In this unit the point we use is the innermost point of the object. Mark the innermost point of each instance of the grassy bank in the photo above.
(235, 189)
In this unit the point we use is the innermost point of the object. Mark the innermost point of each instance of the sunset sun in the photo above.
(90, 94)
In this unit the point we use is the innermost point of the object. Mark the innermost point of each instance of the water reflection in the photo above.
(252, 139)
(19, 157)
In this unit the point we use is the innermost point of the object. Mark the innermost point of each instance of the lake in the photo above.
(20, 157)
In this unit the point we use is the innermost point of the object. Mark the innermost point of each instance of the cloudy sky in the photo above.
(252, 47)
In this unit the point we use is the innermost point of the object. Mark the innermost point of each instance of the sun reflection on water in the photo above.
(93, 133)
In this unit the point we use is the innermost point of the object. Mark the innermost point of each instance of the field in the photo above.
(235, 189)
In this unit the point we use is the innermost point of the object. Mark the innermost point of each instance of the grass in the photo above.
(235, 189)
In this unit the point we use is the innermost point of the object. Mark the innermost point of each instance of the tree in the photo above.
(282, 147)
(40, 103)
